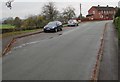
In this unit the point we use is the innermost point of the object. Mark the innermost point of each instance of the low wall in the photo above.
(86, 19)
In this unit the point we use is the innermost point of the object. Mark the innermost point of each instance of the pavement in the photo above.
(109, 63)
(70, 55)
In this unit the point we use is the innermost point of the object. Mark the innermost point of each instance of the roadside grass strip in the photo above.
(6, 26)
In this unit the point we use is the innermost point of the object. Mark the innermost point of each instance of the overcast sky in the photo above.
(24, 8)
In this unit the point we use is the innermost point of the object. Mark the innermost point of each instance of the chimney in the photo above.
(107, 6)
(98, 5)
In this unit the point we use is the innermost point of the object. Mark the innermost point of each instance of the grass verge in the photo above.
(17, 33)
(6, 26)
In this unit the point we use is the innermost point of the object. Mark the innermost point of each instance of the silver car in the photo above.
(72, 23)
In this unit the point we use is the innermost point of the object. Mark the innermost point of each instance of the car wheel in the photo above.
(56, 30)
(60, 29)
(44, 30)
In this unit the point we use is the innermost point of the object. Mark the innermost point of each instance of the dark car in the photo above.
(54, 26)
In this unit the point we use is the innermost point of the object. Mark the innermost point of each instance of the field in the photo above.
(6, 26)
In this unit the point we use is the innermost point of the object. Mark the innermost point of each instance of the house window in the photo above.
(114, 12)
(102, 12)
(93, 12)
(107, 12)
(101, 16)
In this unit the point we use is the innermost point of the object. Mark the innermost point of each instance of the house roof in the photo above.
(102, 8)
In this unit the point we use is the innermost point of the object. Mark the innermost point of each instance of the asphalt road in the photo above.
(70, 56)
(40, 36)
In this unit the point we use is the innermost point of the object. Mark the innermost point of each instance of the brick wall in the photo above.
(101, 14)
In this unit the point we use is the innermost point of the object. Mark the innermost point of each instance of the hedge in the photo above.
(117, 25)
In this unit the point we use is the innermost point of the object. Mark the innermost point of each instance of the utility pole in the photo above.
(80, 12)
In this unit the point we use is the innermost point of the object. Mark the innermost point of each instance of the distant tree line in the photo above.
(49, 13)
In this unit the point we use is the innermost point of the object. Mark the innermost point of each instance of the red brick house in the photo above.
(101, 12)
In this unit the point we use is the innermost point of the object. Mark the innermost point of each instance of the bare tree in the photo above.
(50, 11)
(68, 13)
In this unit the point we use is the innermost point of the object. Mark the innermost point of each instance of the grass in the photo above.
(6, 26)
(65, 25)
(17, 33)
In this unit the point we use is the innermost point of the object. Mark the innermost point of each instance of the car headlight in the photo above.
(53, 27)
(44, 27)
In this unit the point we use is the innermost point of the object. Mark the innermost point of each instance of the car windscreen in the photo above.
(70, 21)
(51, 24)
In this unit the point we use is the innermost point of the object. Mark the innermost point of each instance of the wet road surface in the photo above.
(70, 56)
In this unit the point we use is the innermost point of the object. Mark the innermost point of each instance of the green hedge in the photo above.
(117, 25)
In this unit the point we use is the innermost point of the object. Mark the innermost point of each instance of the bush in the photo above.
(117, 13)
(117, 25)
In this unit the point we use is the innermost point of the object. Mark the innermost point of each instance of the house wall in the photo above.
(101, 14)
(94, 12)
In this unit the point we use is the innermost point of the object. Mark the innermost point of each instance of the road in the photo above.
(69, 56)
(40, 36)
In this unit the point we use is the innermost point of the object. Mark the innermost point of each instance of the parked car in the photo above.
(72, 23)
(53, 26)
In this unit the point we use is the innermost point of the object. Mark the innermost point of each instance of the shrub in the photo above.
(117, 25)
